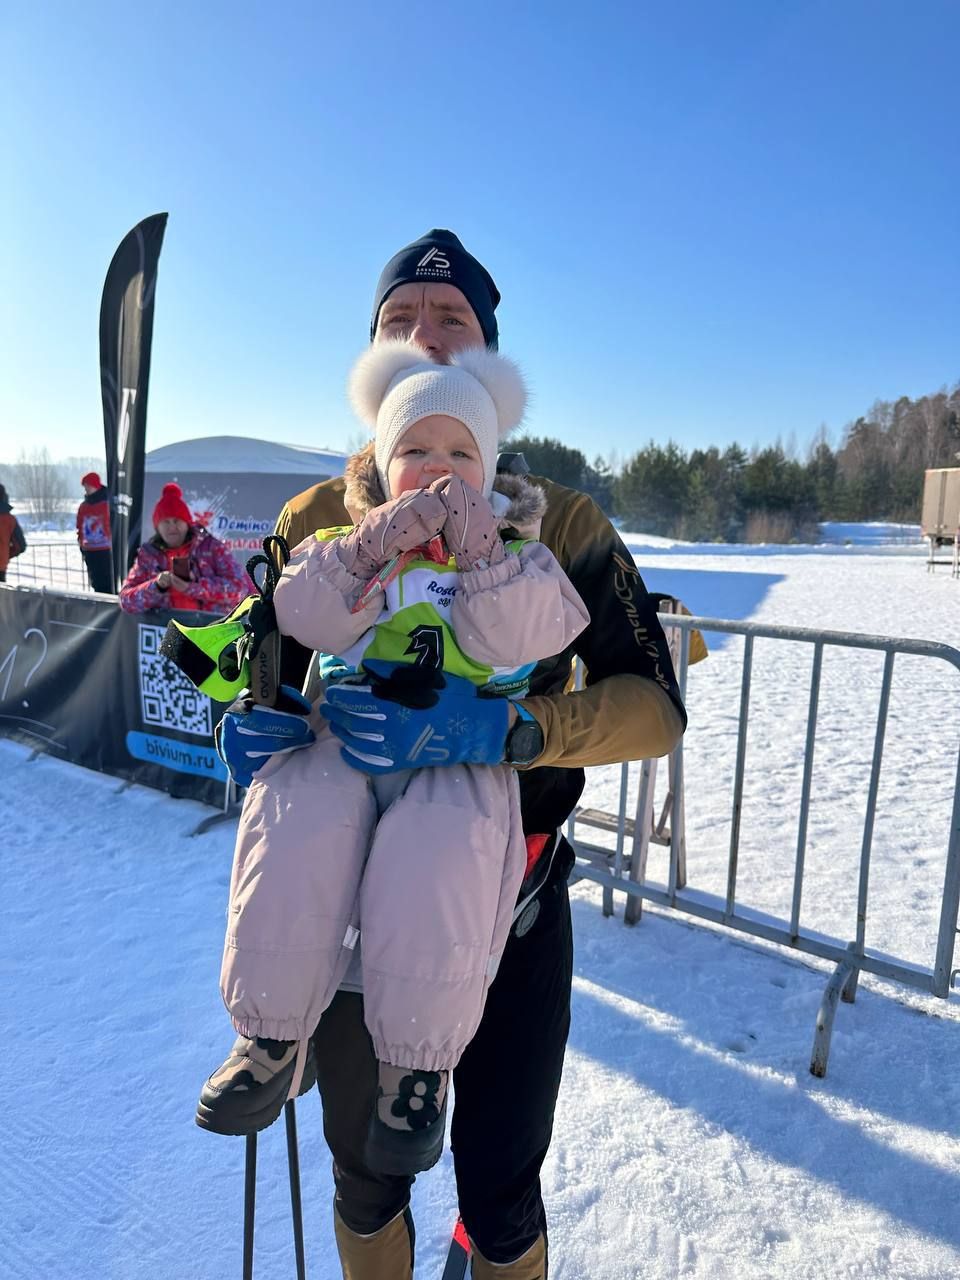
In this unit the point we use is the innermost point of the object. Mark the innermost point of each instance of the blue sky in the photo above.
(708, 221)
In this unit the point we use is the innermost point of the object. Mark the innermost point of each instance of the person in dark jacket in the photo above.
(93, 533)
(182, 566)
(505, 1087)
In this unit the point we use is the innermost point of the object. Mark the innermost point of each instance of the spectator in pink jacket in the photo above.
(182, 566)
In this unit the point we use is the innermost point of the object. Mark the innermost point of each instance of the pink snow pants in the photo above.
(425, 864)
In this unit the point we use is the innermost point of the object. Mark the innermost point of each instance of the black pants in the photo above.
(99, 570)
(505, 1090)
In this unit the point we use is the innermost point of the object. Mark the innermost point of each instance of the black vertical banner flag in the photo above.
(126, 330)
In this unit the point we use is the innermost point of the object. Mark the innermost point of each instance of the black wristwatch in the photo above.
(525, 740)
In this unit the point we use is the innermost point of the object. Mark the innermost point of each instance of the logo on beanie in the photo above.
(435, 264)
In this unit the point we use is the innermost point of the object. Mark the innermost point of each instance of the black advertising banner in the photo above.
(86, 683)
(126, 332)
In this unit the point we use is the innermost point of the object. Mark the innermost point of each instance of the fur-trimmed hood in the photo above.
(519, 503)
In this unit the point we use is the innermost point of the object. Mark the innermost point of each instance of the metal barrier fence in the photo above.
(56, 564)
(936, 544)
(623, 870)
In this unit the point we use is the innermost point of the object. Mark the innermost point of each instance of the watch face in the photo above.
(525, 742)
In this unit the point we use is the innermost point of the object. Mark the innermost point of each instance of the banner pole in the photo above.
(126, 333)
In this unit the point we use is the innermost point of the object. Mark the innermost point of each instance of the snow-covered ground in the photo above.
(690, 1138)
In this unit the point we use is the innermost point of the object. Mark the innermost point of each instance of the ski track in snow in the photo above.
(691, 1140)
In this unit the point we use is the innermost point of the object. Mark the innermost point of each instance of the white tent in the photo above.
(226, 455)
(235, 486)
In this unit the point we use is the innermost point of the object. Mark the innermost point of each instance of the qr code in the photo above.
(167, 698)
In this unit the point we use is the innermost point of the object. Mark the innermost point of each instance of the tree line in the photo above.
(731, 494)
(769, 494)
(48, 492)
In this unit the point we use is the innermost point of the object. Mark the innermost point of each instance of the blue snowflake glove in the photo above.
(403, 717)
(249, 735)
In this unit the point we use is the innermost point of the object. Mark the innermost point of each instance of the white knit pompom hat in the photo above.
(394, 384)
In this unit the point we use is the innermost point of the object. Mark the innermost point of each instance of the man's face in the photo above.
(436, 316)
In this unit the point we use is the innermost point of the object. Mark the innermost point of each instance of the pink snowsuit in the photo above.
(426, 863)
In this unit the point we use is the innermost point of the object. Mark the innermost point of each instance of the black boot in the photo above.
(247, 1093)
(408, 1122)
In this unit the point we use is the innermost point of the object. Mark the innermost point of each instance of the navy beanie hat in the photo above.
(440, 258)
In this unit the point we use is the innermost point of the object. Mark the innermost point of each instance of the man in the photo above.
(434, 292)
(93, 533)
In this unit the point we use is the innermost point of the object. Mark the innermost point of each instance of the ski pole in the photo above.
(293, 1163)
(296, 1202)
(249, 1204)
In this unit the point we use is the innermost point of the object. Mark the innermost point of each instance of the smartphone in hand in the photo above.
(181, 567)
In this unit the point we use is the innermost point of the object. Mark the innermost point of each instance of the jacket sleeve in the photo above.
(222, 584)
(621, 717)
(140, 591)
(314, 597)
(631, 708)
(518, 611)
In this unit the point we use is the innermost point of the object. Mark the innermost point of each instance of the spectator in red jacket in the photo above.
(93, 533)
(182, 566)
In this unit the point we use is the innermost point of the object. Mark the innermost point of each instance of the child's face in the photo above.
(434, 447)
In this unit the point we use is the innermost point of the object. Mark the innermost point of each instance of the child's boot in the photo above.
(408, 1121)
(248, 1091)
(531, 1265)
(385, 1255)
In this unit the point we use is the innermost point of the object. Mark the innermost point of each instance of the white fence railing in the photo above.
(56, 563)
(623, 868)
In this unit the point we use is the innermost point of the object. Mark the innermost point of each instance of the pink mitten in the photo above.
(398, 525)
(471, 530)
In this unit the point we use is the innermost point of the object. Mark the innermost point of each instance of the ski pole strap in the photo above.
(275, 556)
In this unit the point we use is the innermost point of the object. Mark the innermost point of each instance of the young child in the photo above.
(423, 865)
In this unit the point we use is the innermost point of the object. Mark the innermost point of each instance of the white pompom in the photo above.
(501, 379)
(376, 369)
